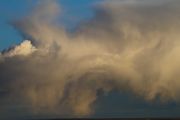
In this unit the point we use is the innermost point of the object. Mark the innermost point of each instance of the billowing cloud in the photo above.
(130, 45)
(24, 49)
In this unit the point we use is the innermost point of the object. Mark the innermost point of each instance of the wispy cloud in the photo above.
(130, 45)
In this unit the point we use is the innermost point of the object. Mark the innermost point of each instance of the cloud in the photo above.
(24, 49)
(128, 46)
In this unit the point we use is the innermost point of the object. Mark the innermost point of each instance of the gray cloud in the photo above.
(130, 45)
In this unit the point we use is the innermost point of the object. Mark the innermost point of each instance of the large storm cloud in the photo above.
(130, 45)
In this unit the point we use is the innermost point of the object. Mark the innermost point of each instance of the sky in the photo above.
(120, 60)
(15, 9)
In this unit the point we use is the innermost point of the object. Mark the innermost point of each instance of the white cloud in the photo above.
(24, 49)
